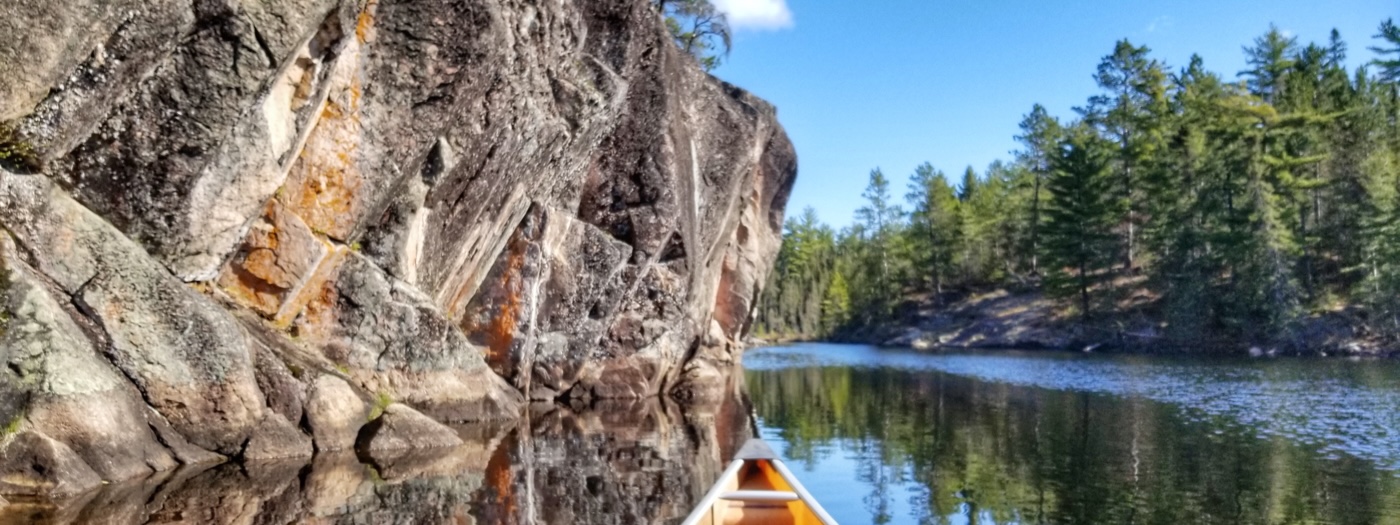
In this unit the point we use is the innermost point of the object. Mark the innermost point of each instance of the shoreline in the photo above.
(1002, 320)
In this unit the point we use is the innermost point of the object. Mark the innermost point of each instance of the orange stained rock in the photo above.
(724, 310)
(319, 314)
(499, 330)
(324, 185)
(254, 277)
(500, 479)
(315, 288)
(365, 23)
(279, 253)
(251, 290)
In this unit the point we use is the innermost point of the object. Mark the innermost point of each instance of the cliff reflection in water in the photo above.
(643, 462)
(929, 447)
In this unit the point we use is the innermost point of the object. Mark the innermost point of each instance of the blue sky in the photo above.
(893, 83)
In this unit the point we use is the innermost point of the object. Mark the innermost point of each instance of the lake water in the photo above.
(886, 436)
(643, 462)
(879, 436)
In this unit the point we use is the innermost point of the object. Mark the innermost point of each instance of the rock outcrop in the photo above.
(228, 229)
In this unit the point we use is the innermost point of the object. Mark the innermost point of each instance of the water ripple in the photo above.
(1316, 403)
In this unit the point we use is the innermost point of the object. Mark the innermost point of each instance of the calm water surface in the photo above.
(644, 462)
(879, 436)
(884, 436)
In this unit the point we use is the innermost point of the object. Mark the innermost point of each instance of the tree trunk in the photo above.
(1035, 227)
(937, 266)
(1128, 197)
(1083, 289)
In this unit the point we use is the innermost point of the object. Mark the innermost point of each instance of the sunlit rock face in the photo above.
(242, 230)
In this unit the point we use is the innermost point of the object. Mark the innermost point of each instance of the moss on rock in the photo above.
(381, 402)
(16, 153)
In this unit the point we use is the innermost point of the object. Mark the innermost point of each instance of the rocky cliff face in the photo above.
(244, 229)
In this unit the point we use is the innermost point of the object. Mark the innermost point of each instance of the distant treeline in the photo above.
(1235, 208)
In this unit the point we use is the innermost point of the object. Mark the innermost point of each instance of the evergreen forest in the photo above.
(1221, 207)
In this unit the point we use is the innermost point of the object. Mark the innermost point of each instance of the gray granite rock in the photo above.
(61, 387)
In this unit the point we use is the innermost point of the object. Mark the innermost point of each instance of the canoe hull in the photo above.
(758, 489)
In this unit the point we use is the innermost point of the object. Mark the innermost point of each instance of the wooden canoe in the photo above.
(756, 489)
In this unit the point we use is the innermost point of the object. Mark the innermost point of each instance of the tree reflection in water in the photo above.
(931, 447)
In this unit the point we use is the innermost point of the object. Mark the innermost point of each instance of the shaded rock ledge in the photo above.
(247, 230)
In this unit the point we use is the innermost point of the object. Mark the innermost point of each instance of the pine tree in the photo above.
(935, 225)
(1269, 59)
(1381, 287)
(1130, 113)
(699, 28)
(1192, 204)
(969, 259)
(1040, 136)
(1381, 167)
(968, 186)
(998, 209)
(1080, 217)
(792, 300)
(1388, 64)
(880, 219)
(1336, 51)
(1266, 299)
(836, 303)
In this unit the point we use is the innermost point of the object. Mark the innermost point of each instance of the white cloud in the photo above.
(756, 14)
(1161, 22)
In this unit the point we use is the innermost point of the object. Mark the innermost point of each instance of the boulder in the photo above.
(277, 438)
(392, 340)
(402, 428)
(334, 414)
(285, 394)
(32, 464)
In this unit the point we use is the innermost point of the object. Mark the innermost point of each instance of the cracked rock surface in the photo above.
(236, 225)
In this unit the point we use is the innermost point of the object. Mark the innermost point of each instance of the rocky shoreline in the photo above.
(1002, 319)
(555, 464)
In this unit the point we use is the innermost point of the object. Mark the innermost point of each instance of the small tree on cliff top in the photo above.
(699, 29)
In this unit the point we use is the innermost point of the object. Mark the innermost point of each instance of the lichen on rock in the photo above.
(55, 383)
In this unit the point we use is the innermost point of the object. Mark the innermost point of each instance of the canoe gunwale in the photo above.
(802, 493)
(755, 450)
(701, 509)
